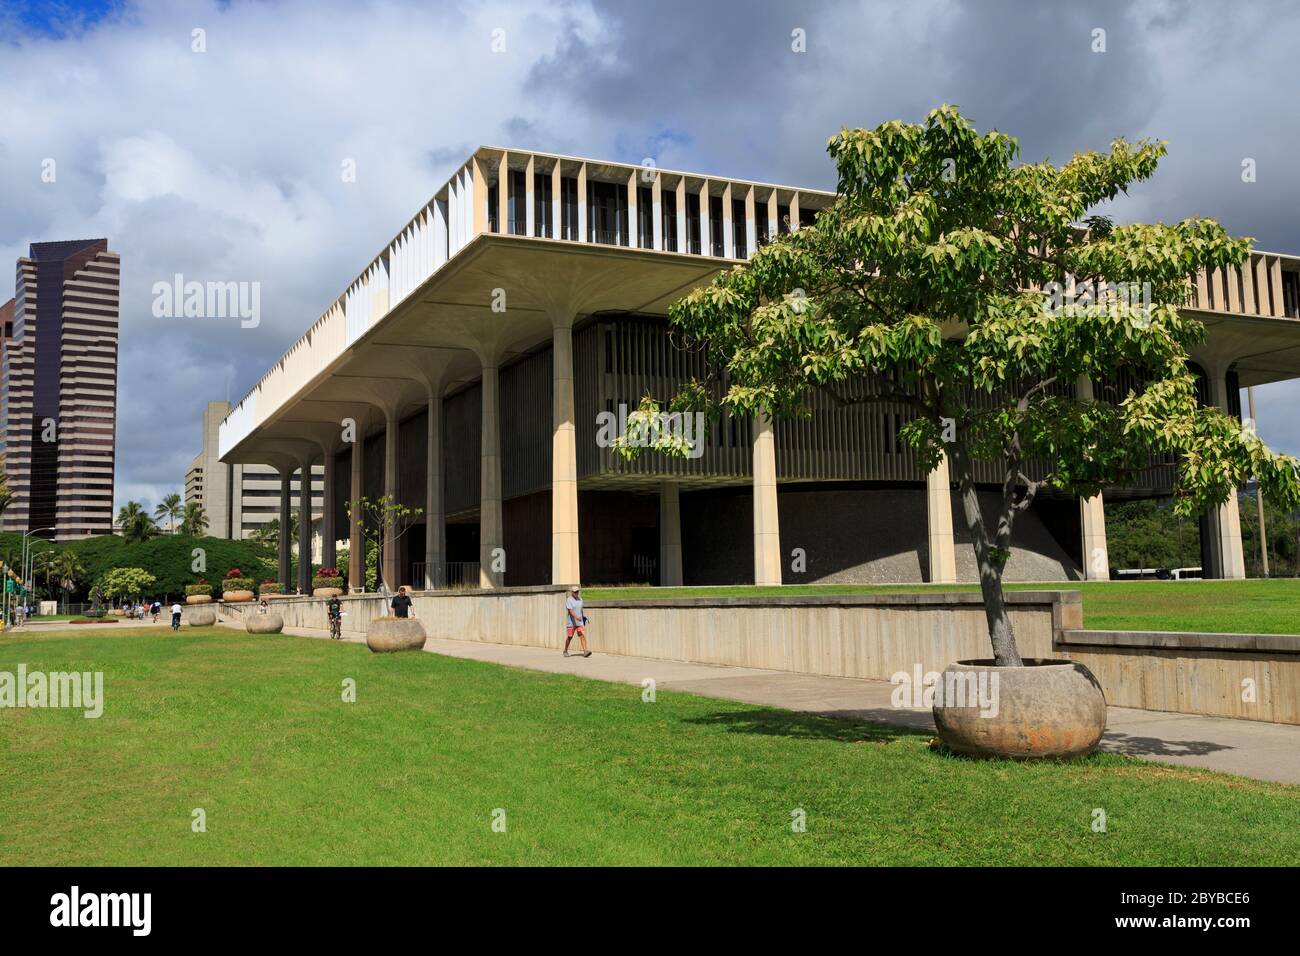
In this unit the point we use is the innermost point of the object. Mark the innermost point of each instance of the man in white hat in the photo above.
(575, 620)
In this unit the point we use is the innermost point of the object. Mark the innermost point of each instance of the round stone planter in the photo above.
(236, 597)
(395, 634)
(326, 592)
(264, 623)
(203, 617)
(1047, 708)
(117, 612)
(198, 599)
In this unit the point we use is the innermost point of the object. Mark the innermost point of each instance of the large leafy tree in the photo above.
(934, 282)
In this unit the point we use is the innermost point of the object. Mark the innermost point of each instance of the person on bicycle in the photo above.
(176, 616)
(334, 610)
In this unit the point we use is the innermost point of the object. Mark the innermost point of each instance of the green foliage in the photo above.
(169, 510)
(126, 582)
(169, 558)
(1151, 534)
(134, 523)
(236, 584)
(197, 588)
(194, 521)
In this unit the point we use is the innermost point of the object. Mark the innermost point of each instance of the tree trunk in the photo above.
(1001, 635)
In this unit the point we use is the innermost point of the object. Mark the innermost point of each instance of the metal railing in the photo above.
(453, 575)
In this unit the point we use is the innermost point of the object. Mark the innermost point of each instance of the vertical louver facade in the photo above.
(59, 390)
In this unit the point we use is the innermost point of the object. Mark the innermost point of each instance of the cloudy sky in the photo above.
(225, 164)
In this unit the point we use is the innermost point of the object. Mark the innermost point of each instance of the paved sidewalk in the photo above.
(1249, 748)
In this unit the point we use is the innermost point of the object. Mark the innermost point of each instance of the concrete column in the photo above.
(1096, 556)
(530, 201)
(565, 566)
(1224, 522)
(670, 535)
(767, 526)
(356, 536)
(938, 510)
(435, 534)
(1095, 559)
(489, 513)
(503, 195)
(328, 531)
(657, 218)
(388, 560)
(286, 521)
(582, 204)
(304, 528)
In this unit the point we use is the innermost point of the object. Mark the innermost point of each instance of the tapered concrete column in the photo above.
(356, 536)
(1092, 523)
(1095, 559)
(388, 560)
(565, 565)
(328, 531)
(670, 535)
(1227, 559)
(767, 526)
(490, 543)
(435, 533)
(286, 522)
(304, 528)
(938, 511)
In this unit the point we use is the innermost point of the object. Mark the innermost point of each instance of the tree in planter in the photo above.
(383, 519)
(944, 280)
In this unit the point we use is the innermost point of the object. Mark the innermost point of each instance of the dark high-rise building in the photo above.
(58, 394)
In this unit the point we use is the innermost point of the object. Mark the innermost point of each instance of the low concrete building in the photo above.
(472, 368)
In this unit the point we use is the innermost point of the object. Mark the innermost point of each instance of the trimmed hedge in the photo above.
(169, 558)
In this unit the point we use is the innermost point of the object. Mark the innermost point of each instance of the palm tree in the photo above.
(171, 510)
(65, 568)
(134, 522)
(195, 522)
(268, 535)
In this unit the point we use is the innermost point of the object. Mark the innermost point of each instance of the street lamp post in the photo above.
(23, 570)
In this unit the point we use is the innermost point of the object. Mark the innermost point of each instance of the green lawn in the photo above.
(253, 731)
(1256, 606)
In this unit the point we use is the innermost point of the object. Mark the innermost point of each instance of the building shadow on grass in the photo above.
(845, 726)
(1120, 743)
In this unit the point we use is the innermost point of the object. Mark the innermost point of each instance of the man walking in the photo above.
(334, 611)
(575, 620)
(402, 604)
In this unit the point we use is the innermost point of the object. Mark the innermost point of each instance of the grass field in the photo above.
(1255, 606)
(254, 732)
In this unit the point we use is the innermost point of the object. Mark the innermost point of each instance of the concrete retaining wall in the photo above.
(1250, 676)
(865, 636)
(531, 615)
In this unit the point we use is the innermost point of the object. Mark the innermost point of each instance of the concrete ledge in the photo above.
(963, 599)
(1180, 640)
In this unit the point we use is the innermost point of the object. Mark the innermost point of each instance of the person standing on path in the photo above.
(402, 605)
(575, 621)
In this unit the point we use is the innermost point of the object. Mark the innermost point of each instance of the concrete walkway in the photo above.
(1249, 748)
